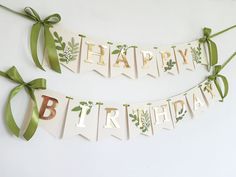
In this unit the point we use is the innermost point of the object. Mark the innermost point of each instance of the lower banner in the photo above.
(65, 117)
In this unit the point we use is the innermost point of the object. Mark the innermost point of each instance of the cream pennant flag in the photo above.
(139, 120)
(196, 101)
(210, 91)
(167, 61)
(146, 63)
(180, 109)
(81, 119)
(161, 115)
(122, 58)
(184, 57)
(68, 47)
(112, 121)
(52, 111)
(94, 56)
(198, 53)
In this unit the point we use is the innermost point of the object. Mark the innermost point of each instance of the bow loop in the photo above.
(14, 75)
(211, 78)
(217, 69)
(52, 19)
(39, 83)
(32, 14)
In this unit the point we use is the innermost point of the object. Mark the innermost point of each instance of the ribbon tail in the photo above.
(33, 124)
(51, 50)
(213, 54)
(226, 87)
(10, 121)
(34, 44)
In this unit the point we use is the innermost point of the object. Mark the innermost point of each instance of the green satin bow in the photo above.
(13, 75)
(216, 77)
(49, 43)
(212, 48)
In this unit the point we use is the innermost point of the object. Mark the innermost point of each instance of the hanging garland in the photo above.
(83, 53)
(84, 107)
(94, 120)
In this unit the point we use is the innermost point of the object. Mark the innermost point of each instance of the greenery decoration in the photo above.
(67, 52)
(142, 120)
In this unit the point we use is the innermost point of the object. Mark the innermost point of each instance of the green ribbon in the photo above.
(216, 78)
(49, 43)
(212, 48)
(40, 83)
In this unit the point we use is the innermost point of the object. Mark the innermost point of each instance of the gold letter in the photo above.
(84, 110)
(45, 106)
(197, 103)
(90, 53)
(147, 56)
(184, 55)
(122, 59)
(165, 56)
(161, 111)
(179, 113)
(111, 115)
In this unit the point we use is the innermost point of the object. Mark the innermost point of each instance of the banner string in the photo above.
(223, 31)
(228, 60)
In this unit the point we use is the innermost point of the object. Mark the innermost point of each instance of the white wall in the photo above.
(203, 147)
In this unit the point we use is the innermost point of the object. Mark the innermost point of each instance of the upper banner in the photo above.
(80, 54)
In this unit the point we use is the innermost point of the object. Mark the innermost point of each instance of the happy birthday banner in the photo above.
(80, 53)
(65, 116)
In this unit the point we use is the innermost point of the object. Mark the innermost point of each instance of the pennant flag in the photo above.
(210, 91)
(68, 48)
(112, 121)
(94, 56)
(167, 61)
(146, 63)
(161, 116)
(179, 108)
(139, 120)
(196, 101)
(184, 57)
(123, 61)
(81, 119)
(198, 53)
(52, 111)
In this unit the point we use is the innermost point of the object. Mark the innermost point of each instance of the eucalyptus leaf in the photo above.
(115, 51)
(77, 108)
